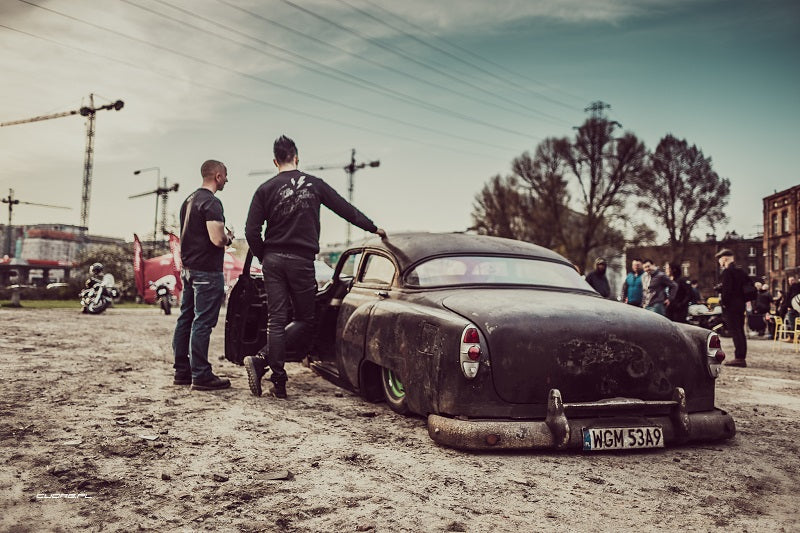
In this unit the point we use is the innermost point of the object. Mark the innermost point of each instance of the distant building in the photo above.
(44, 253)
(699, 264)
(781, 234)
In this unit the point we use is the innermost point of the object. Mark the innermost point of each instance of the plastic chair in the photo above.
(796, 334)
(780, 331)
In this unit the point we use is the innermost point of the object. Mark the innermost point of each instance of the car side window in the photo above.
(379, 270)
(350, 265)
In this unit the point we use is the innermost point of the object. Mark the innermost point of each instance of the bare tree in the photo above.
(544, 176)
(502, 209)
(682, 190)
(606, 167)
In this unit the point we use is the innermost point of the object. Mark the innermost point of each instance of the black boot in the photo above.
(256, 367)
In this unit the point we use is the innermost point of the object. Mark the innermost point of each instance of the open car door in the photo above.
(246, 319)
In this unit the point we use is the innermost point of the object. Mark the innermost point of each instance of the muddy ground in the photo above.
(87, 408)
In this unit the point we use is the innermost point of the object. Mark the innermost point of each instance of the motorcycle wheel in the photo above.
(165, 305)
(99, 307)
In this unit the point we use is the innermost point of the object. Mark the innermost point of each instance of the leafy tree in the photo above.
(681, 189)
(606, 168)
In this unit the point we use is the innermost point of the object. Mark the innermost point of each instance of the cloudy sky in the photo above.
(443, 93)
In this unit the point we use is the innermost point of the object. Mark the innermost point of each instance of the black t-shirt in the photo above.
(197, 250)
(289, 204)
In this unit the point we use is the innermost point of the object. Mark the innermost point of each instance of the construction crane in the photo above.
(161, 192)
(349, 168)
(11, 201)
(88, 112)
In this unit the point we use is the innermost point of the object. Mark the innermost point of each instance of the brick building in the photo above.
(781, 216)
(699, 264)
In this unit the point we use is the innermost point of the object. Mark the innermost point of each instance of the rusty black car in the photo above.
(501, 344)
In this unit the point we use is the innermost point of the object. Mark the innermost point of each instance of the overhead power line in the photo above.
(149, 69)
(290, 89)
(366, 59)
(485, 60)
(416, 61)
(346, 77)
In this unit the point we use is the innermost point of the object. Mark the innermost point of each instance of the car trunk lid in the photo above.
(587, 347)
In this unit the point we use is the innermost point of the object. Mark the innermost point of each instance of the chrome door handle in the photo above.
(382, 294)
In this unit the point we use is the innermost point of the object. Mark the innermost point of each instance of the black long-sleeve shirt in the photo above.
(732, 295)
(289, 204)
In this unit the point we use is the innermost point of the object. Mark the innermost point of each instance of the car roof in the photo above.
(410, 248)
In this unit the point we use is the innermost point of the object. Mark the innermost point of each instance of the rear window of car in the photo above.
(479, 270)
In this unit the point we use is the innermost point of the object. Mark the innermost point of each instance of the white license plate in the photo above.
(631, 438)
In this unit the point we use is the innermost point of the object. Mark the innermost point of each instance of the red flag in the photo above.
(175, 249)
(138, 265)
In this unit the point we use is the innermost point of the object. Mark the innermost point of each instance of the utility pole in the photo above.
(161, 192)
(350, 168)
(88, 160)
(11, 201)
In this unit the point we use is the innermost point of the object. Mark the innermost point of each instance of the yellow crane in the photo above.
(88, 112)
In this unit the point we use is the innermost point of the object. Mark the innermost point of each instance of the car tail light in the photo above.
(714, 354)
(471, 352)
(471, 335)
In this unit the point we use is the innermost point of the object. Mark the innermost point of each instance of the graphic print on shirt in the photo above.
(294, 196)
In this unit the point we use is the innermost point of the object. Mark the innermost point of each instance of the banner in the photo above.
(175, 250)
(138, 265)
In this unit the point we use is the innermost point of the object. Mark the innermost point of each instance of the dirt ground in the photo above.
(88, 409)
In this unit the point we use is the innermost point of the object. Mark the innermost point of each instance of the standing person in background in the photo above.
(632, 290)
(787, 310)
(597, 278)
(289, 205)
(695, 299)
(656, 296)
(733, 304)
(203, 242)
(761, 309)
(679, 296)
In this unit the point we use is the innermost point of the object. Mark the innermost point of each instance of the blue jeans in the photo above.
(291, 286)
(200, 304)
(659, 308)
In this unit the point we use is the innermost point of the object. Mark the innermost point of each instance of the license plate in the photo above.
(630, 438)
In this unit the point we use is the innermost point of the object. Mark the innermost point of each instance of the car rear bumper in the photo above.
(558, 431)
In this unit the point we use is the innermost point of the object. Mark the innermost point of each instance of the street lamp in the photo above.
(158, 183)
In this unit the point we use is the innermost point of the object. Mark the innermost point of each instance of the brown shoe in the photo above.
(736, 362)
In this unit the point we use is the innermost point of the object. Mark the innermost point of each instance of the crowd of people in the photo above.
(669, 294)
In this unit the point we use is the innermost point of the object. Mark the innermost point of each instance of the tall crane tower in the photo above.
(88, 161)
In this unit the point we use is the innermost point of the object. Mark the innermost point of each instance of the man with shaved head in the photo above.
(203, 242)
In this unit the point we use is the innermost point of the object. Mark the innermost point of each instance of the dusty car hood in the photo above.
(587, 347)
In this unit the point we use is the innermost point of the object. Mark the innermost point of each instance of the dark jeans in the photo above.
(200, 302)
(291, 287)
(735, 322)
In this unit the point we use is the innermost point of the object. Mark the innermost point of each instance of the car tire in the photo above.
(394, 392)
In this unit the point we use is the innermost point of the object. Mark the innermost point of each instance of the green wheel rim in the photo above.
(395, 385)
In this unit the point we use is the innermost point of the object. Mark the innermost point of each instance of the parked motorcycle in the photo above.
(99, 292)
(164, 297)
(700, 315)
